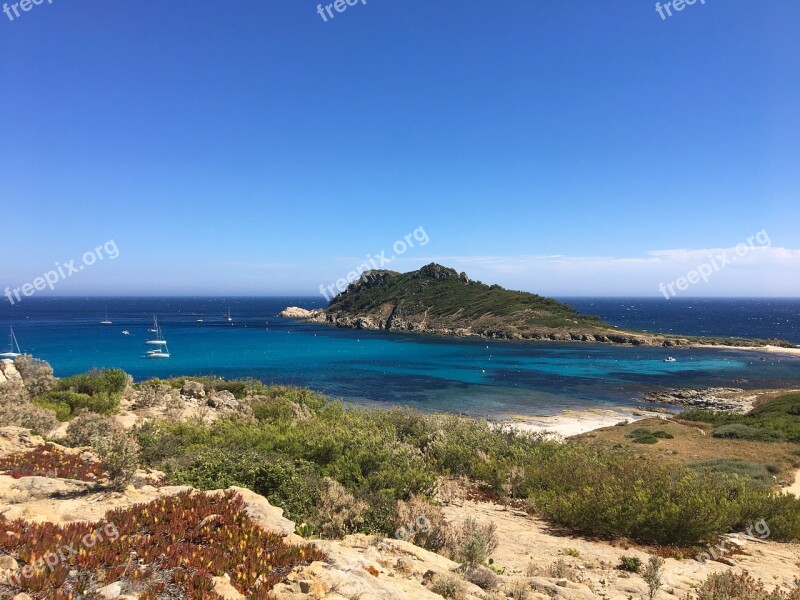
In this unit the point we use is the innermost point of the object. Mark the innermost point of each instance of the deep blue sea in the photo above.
(468, 376)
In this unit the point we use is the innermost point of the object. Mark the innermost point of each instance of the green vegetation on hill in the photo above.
(776, 420)
(293, 442)
(443, 295)
(97, 391)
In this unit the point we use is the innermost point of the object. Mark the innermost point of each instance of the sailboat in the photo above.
(229, 314)
(13, 346)
(154, 328)
(162, 351)
(106, 320)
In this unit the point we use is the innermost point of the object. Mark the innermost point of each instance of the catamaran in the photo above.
(106, 321)
(13, 346)
(162, 351)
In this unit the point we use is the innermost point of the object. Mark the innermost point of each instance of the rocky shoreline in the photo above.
(720, 399)
(392, 322)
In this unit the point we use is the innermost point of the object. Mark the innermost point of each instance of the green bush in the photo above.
(62, 410)
(294, 485)
(642, 435)
(740, 431)
(68, 403)
(108, 381)
(779, 415)
(756, 473)
(632, 564)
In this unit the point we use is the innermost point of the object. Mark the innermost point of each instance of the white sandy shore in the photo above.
(767, 349)
(576, 422)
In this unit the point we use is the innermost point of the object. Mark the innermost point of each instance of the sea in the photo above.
(467, 376)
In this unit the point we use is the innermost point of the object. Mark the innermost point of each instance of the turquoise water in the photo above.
(469, 376)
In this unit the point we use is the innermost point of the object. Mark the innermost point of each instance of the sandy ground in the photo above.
(795, 487)
(576, 422)
(527, 543)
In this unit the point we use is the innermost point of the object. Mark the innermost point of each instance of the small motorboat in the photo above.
(126, 332)
(670, 359)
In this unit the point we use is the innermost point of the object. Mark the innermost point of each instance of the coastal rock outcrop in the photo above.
(193, 389)
(295, 312)
(720, 399)
(223, 399)
(9, 372)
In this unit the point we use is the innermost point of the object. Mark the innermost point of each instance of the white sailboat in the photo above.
(162, 351)
(229, 314)
(154, 328)
(13, 346)
(106, 321)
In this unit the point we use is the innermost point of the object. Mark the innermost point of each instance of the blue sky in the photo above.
(567, 148)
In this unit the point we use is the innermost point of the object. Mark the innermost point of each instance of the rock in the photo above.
(27, 489)
(193, 389)
(223, 587)
(561, 582)
(22, 596)
(269, 517)
(16, 439)
(10, 372)
(110, 592)
(2, 378)
(294, 312)
(223, 399)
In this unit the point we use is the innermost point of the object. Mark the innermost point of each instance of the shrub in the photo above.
(756, 473)
(652, 575)
(70, 403)
(294, 485)
(561, 570)
(36, 373)
(740, 431)
(519, 590)
(107, 381)
(448, 586)
(338, 512)
(421, 523)
(477, 542)
(119, 455)
(62, 410)
(41, 421)
(87, 426)
(642, 435)
(728, 586)
(482, 577)
(632, 564)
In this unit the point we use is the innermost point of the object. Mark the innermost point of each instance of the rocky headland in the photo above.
(437, 300)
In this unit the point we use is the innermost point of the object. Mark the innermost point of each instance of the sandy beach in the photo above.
(768, 349)
(575, 422)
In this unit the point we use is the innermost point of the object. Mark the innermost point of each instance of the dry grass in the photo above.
(693, 443)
